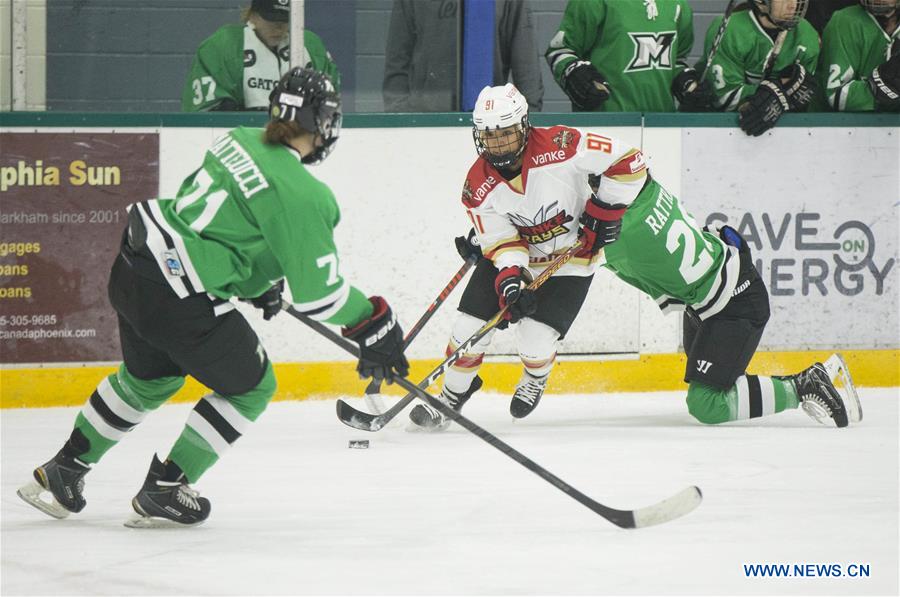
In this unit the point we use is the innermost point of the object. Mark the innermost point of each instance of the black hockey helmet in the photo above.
(880, 8)
(784, 14)
(308, 97)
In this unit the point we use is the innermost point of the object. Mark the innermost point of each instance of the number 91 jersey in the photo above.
(528, 220)
(663, 252)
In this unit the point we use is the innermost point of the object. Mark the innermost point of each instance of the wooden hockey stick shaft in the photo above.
(374, 387)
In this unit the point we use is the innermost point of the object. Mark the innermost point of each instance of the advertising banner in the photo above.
(62, 212)
(819, 208)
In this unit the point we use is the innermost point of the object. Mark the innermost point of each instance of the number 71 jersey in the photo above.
(663, 253)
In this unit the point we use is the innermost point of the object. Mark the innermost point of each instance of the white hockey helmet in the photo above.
(880, 8)
(784, 14)
(505, 109)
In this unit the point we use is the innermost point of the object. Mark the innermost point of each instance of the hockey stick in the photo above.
(366, 422)
(773, 54)
(717, 40)
(674, 507)
(374, 387)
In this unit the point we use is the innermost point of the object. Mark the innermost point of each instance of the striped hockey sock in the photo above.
(758, 396)
(216, 423)
(118, 405)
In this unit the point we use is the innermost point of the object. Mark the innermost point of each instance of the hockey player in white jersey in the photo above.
(525, 195)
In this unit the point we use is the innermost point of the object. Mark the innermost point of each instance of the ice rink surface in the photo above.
(297, 512)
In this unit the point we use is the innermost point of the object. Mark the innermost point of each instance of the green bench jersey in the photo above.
(663, 253)
(250, 216)
(853, 44)
(737, 67)
(234, 64)
(638, 46)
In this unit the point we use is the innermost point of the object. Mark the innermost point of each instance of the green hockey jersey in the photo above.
(737, 67)
(638, 46)
(235, 67)
(249, 216)
(853, 44)
(662, 252)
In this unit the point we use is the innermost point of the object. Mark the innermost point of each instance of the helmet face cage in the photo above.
(509, 152)
(880, 8)
(308, 98)
(784, 14)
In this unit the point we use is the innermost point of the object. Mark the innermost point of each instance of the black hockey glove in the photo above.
(510, 285)
(885, 84)
(797, 85)
(584, 85)
(693, 94)
(468, 247)
(763, 109)
(380, 340)
(601, 224)
(270, 301)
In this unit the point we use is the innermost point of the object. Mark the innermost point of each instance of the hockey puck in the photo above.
(360, 444)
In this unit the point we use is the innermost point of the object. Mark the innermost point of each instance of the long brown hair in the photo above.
(281, 131)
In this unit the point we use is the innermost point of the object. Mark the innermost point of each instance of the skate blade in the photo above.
(840, 376)
(139, 521)
(34, 494)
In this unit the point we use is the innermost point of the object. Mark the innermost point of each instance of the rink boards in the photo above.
(822, 222)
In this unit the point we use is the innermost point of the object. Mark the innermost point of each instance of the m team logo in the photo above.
(563, 138)
(651, 50)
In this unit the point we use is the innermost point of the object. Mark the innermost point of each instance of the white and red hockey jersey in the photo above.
(529, 220)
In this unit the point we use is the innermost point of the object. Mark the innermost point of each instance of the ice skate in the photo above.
(58, 486)
(819, 398)
(429, 419)
(528, 394)
(839, 374)
(162, 503)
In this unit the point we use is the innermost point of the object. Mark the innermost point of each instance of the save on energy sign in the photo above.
(62, 212)
(826, 244)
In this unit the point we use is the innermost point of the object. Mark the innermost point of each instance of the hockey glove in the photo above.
(885, 84)
(763, 109)
(270, 301)
(797, 85)
(584, 85)
(380, 340)
(601, 224)
(510, 285)
(468, 247)
(692, 93)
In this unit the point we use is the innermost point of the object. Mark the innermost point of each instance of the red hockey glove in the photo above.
(601, 224)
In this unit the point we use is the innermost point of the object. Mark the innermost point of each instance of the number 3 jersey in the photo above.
(250, 216)
(530, 219)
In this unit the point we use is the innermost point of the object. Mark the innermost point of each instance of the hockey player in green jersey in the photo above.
(237, 67)
(524, 194)
(621, 55)
(748, 74)
(662, 252)
(859, 69)
(250, 223)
